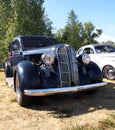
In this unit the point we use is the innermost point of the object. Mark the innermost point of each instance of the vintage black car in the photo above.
(40, 66)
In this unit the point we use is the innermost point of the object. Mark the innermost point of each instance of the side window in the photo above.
(14, 46)
(88, 50)
(91, 51)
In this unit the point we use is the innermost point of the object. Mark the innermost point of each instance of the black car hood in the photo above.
(42, 50)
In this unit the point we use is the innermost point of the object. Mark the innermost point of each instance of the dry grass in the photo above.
(59, 112)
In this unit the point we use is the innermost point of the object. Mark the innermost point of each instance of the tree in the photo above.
(23, 17)
(71, 34)
(5, 16)
(90, 33)
(48, 26)
(73, 29)
(27, 17)
(109, 42)
(59, 35)
(77, 34)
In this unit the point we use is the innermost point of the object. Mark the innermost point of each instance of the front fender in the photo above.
(90, 73)
(94, 72)
(28, 75)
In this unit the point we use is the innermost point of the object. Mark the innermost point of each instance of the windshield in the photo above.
(37, 42)
(104, 49)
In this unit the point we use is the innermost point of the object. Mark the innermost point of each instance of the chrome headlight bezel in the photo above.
(86, 59)
(47, 58)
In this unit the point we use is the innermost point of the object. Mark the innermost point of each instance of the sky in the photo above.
(99, 12)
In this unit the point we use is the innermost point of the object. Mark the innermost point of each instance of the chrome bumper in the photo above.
(50, 91)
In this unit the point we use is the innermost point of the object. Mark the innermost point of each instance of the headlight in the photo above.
(85, 59)
(48, 59)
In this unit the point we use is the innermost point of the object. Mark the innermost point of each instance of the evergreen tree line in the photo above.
(21, 17)
(28, 17)
(76, 33)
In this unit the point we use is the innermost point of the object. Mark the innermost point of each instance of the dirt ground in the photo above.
(58, 112)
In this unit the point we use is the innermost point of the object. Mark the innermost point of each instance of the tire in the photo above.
(109, 72)
(22, 99)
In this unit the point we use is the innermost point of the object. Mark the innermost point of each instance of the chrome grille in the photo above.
(64, 69)
(67, 64)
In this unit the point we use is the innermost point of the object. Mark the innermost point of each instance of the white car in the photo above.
(103, 55)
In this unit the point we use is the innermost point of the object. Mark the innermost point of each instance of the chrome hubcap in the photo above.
(111, 72)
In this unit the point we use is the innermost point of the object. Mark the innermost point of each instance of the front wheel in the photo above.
(22, 99)
(109, 72)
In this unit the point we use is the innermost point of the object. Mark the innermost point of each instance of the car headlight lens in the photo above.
(86, 59)
(48, 59)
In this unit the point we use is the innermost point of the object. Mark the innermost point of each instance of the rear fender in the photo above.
(8, 69)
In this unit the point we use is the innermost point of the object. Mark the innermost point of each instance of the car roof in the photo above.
(94, 45)
(30, 36)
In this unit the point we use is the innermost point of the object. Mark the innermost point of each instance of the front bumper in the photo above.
(50, 91)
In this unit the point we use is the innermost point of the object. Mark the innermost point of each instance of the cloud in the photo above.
(105, 37)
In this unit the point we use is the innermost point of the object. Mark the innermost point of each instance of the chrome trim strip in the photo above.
(50, 91)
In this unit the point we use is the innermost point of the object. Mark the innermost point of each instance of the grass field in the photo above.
(81, 111)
